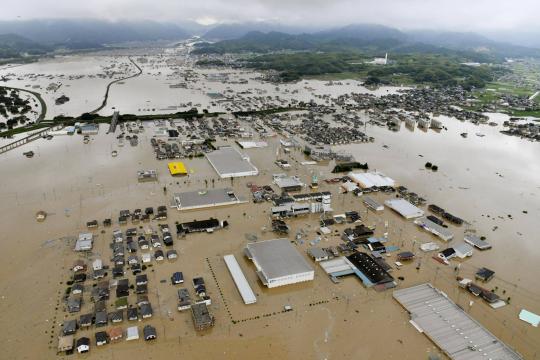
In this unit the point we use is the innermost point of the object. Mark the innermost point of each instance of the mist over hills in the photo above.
(38, 36)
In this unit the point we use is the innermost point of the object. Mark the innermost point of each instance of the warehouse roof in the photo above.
(229, 162)
(240, 280)
(404, 208)
(449, 327)
(371, 179)
(434, 228)
(277, 258)
(205, 198)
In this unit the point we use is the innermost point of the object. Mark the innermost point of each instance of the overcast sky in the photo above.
(462, 15)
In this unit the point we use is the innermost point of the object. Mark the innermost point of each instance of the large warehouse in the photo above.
(449, 327)
(278, 263)
(206, 198)
(229, 162)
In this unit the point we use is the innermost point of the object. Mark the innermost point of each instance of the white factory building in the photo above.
(278, 263)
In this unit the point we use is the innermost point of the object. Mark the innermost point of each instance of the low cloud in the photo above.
(460, 15)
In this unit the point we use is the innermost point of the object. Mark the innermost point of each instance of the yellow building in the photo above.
(177, 168)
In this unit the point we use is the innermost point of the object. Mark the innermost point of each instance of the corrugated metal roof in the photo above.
(404, 208)
(449, 327)
(240, 280)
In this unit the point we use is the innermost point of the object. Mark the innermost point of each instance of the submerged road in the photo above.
(104, 103)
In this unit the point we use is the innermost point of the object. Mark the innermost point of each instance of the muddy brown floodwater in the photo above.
(75, 182)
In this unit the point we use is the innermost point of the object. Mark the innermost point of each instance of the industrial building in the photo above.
(288, 183)
(240, 280)
(278, 263)
(449, 327)
(434, 228)
(371, 179)
(229, 162)
(404, 208)
(372, 204)
(477, 242)
(205, 198)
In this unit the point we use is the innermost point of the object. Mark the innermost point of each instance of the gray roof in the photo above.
(449, 327)
(205, 198)
(277, 258)
(477, 242)
(229, 162)
(434, 228)
(316, 252)
(287, 181)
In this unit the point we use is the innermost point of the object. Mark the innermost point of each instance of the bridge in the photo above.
(29, 138)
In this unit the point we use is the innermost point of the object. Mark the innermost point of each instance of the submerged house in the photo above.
(202, 319)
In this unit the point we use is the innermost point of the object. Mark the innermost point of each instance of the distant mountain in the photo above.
(14, 46)
(467, 41)
(373, 39)
(365, 32)
(91, 32)
(236, 31)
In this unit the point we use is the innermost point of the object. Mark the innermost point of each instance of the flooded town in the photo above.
(161, 201)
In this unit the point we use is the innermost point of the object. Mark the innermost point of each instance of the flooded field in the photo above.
(490, 180)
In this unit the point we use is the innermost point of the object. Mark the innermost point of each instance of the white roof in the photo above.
(463, 250)
(229, 162)
(430, 246)
(97, 264)
(404, 208)
(371, 179)
(349, 186)
(240, 280)
(529, 317)
(132, 333)
(84, 242)
(287, 181)
(277, 258)
(252, 144)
